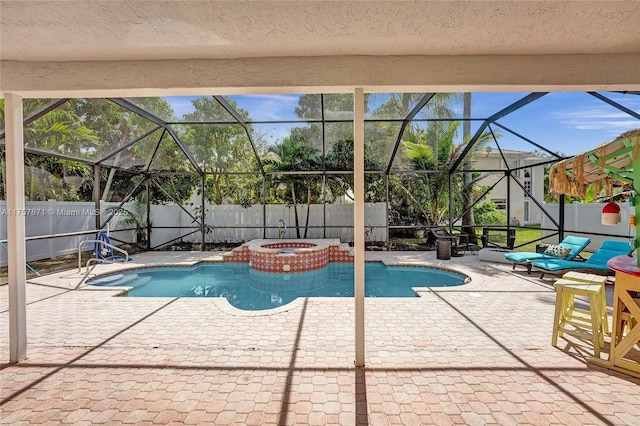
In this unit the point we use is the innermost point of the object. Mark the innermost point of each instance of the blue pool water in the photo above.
(249, 289)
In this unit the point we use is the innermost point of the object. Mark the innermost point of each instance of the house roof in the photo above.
(524, 155)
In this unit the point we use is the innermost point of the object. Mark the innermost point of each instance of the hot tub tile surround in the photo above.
(278, 256)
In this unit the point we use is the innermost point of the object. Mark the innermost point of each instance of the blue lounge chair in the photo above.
(576, 244)
(596, 264)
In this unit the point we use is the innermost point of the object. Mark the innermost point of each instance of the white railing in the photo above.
(95, 259)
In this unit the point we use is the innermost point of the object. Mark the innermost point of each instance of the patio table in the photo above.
(626, 286)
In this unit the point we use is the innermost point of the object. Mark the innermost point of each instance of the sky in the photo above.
(565, 122)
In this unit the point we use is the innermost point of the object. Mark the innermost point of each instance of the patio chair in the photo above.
(574, 244)
(596, 264)
(488, 238)
(459, 241)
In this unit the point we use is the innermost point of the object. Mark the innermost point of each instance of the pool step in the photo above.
(345, 253)
(237, 254)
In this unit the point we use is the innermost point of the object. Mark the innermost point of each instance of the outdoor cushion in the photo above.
(555, 264)
(525, 256)
(607, 250)
(597, 261)
(576, 244)
(558, 251)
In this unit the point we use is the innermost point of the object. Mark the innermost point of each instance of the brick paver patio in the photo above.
(476, 354)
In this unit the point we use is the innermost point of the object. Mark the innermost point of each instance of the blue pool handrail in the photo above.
(31, 268)
(103, 249)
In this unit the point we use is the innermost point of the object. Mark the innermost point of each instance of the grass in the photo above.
(523, 236)
(528, 234)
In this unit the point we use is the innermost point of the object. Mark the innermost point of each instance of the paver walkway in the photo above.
(476, 354)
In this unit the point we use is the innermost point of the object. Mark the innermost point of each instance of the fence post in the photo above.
(576, 216)
(52, 212)
(561, 216)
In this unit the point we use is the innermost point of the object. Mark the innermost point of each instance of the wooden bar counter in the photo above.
(625, 303)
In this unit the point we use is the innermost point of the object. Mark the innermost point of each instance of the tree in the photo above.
(434, 150)
(338, 106)
(404, 206)
(468, 223)
(117, 126)
(62, 132)
(218, 148)
(341, 158)
(428, 192)
(293, 155)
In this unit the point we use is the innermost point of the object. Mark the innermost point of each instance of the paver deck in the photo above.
(475, 354)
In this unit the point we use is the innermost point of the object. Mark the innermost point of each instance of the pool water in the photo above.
(248, 289)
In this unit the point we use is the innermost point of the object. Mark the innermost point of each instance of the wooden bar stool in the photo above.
(581, 277)
(586, 324)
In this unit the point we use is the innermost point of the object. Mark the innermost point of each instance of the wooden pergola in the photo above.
(615, 162)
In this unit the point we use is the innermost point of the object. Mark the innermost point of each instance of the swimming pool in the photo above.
(248, 289)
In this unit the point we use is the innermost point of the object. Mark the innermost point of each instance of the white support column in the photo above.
(14, 151)
(358, 220)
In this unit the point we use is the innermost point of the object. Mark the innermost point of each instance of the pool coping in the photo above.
(468, 266)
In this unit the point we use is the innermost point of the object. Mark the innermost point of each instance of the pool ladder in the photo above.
(95, 259)
(281, 231)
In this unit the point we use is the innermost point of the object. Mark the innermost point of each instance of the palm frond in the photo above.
(420, 155)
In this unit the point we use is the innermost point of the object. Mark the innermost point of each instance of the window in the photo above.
(501, 203)
(527, 187)
(510, 165)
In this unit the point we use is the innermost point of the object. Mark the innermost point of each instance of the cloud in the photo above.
(259, 107)
(596, 118)
(608, 125)
(629, 101)
(181, 106)
(281, 99)
(268, 107)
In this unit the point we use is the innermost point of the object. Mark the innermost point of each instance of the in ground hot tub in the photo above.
(288, 256)
(268, 255)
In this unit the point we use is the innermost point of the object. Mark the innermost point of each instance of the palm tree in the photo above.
(435, 149)
(468, 222)
(58, 132)
(429, 150)
(293, 155)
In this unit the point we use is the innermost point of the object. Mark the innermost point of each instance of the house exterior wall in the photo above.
(493, 161)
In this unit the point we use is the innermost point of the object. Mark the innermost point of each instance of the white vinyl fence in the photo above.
(236, 224)
(578, 216)
(58, 217)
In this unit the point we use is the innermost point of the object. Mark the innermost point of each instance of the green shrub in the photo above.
(486, 214)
